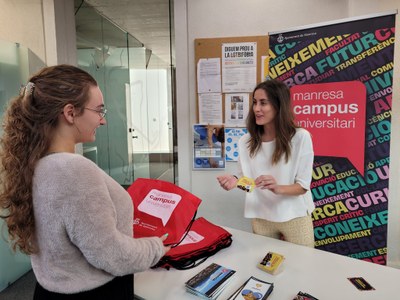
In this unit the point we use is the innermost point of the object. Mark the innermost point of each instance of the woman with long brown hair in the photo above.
(278, 155)
(73, 219)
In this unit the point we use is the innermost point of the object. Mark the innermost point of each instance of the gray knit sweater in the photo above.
(84, 227)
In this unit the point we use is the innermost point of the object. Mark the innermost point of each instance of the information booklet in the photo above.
(253, 289)
(210, 282)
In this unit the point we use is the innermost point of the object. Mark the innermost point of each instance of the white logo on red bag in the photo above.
(160, 204)
(191, 238)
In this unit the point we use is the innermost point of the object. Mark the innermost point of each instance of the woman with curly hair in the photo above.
(61, 209)
(278, 155)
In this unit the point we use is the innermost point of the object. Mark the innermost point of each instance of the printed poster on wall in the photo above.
(239, 67)
(236, 109)
(232, 136)
(341, 79)
(264, 67)
(208, 146)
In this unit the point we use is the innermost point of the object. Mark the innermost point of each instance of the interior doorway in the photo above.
(137, 140)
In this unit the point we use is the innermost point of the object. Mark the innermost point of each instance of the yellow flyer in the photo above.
(246, 184)
(271, 263)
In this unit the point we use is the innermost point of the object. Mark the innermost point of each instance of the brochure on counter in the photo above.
(210, 282)
(253, 288)
(304, 296)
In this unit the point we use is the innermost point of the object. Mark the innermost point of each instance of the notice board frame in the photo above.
(212, 48)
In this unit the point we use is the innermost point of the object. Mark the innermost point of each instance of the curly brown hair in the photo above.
(28, 125)
(279, 96)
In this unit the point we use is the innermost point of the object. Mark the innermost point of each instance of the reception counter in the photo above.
(319, 273)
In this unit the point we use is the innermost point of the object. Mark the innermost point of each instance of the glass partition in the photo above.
(139, 112)
(160, 118)
(103, 52)
(14, 70)
(137, 139)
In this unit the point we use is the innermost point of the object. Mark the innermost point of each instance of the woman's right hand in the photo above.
(163, 238)
(227, 181)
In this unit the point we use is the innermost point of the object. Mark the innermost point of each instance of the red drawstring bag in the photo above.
(202, 241)
(162, 207)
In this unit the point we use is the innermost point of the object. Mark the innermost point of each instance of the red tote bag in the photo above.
(203, 240)
(162, 207)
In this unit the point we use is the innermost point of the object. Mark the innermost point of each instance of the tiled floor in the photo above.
(22, 289)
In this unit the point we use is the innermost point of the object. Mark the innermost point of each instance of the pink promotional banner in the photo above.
(334, 114)
(341, 75)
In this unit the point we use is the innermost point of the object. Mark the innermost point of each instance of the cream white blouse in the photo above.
(263, 203)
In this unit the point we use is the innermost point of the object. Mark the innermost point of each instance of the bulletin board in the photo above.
(206, 48)
(234, 65)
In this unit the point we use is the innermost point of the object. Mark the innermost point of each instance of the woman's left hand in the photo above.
(267, 182)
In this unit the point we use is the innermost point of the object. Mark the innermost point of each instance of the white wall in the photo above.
(59, 32)
(46, 27)
(22, 22)
(225, 18)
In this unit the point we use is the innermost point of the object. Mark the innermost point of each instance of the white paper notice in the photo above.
(210, 108)
(239, 67)
(209, 75)
(236, 109)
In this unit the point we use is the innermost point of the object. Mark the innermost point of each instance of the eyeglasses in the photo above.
(102, 111)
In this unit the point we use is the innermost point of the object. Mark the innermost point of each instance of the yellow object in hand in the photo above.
(245, 183)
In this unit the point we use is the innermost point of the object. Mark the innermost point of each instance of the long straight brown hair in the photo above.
(279, 96)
